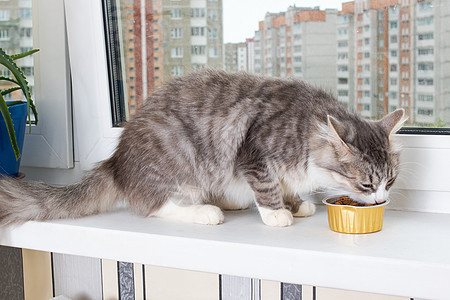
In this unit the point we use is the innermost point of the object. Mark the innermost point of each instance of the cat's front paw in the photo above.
(208, 215)
(277, 218)
(306, 209)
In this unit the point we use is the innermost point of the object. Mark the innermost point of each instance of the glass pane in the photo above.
(374, 55)
(16, 36)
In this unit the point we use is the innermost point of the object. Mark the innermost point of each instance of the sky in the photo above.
(241, 17)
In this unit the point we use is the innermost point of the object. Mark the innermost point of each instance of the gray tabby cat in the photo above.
(211, 141)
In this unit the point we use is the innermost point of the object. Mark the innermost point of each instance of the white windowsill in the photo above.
(409, 257)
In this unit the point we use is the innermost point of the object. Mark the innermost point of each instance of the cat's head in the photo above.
(361, 157)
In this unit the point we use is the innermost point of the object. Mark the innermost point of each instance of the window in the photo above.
(213, 15)
(4, 15)
(342, 68)
(267, 60)
(342, 44)
(425, 51)
(343, 55)
(425, 111)
(213, 33)
(425, 21)
(198, 31)
(177, 71)
(343, 80)
(197, 13)
(50, 142)
(4, 35)
(25, 13)
(176, 33)
(175, 14)
(425, 6)
(176, 52)
(343, 93)
(213, 52)
(425, 66)
(198, 50)
(425, 98)
(425, 81)
(426, 36)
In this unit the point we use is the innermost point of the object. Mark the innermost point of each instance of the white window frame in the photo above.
(95, 137)
(423, 184)
(50, 144)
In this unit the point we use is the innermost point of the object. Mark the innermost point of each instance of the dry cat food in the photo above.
(346, 200)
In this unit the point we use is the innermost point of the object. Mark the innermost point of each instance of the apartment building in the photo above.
(299, 42)
(191, 37)
(391, 54)
(166, 38)
(345, 42)
(236, 57)
(139, 43)
(16, 36)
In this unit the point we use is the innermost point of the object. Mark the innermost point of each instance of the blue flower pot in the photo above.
(8, 163)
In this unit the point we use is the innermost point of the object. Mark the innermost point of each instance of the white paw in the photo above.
(306, 209)
(208, 215)
(278, 218)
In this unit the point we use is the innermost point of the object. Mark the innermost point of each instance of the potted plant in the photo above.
(14, 113)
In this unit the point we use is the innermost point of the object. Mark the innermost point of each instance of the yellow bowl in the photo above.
(354, 219)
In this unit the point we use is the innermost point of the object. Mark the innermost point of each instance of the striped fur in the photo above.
(229, 140)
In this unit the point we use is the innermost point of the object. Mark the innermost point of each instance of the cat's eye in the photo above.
(390, 183)
(367, 186)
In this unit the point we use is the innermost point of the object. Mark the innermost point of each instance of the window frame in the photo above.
(50, 144)
(95, 135)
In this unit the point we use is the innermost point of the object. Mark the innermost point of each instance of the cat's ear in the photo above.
(337, 132)
(392, 122)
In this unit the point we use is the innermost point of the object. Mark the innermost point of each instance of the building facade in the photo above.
(165, 38)
(236, 57)
(300, 43)
(391, 54)
(191, 37)
(16, 36)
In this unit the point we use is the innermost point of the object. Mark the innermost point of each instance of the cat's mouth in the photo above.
(370, 199)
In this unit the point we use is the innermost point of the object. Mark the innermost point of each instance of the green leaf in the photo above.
(10, 90)
(21, 55)
(9, 79)
(9, 126)
(7, 61)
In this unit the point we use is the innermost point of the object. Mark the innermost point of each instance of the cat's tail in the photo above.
(24, 201)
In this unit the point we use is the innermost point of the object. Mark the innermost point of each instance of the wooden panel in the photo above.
(174, 284)
(308, 292)
(234, 287)
(11, 279)
(110, 281)
(270, 290)
(77, 277)
(138, 282)
(37, 274)
(336, 294)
